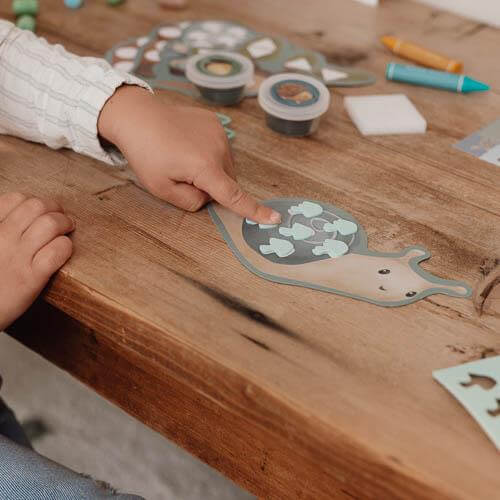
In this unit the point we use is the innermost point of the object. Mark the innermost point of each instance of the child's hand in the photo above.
(180, 154)
(32, 248)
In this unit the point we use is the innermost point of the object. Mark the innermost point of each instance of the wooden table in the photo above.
(290, 392)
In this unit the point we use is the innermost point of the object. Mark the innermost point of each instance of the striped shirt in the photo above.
(51, 96)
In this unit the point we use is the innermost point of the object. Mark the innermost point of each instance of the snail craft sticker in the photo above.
(322, 247)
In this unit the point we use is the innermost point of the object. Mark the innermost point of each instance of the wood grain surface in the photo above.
(291, 392)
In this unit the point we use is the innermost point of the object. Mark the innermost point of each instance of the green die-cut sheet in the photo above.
(483, 403)
(160, 76)
(111, 57)
(231, 134)
(224, 119)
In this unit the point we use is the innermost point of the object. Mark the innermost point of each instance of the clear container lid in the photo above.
(294, 96)
(219, 70)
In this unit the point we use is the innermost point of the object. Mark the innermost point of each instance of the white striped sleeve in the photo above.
(51, 96)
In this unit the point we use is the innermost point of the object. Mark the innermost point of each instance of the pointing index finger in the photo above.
(228, 192)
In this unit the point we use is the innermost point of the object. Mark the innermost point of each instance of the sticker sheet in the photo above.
(225, 121)
(477, 386)
(484, 144)
(320, 246)
(159, 57)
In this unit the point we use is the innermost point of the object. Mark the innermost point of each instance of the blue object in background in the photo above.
(433, 78)
(73, 4)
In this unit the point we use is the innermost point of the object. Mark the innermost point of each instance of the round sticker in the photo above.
(180, 47)
(143, 40)
(152, 56)
(213, 26)
(169, 32)
(237, 31)
(126, 52)
(159, 46)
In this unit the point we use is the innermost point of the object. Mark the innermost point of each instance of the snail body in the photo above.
(334, 258)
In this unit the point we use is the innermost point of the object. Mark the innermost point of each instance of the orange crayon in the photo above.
(420, 55)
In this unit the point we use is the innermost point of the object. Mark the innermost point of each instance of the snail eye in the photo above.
(384, 271)
(411, 294)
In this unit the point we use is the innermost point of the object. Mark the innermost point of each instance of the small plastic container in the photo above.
(293, 103)
(220, 77)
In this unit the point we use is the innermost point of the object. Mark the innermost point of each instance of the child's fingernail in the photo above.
(275, 217)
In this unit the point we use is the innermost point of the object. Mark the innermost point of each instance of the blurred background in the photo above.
(486, 11)
(74, 426)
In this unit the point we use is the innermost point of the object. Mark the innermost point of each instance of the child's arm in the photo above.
(50, 96)
(180, 154)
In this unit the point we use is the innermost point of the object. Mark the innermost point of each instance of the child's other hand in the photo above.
(32, 248)
(180, 154)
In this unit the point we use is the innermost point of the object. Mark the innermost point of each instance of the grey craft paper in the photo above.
(483, 144)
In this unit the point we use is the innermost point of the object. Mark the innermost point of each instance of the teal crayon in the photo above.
(432, 78)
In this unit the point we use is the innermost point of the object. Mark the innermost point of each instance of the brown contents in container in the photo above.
(220, 68)
(294, 92)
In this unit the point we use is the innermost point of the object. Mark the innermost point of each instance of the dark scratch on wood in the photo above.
(472, 31)
(395, 459)
(263, 464)
(484, 288)
(456, 314)
(350, 495)
(488, 265)
(165, 246)
(256, 342)
(238, 306)
(114, 186)
(489, 352)
(456, 349)
(252, 314)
